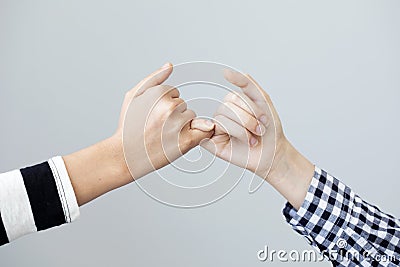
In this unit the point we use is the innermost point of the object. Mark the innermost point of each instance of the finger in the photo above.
(197, 136)
(232, 128)
(242, 118)
(187, 116)
(247, 84)
(177, 113)
(154, 79)
(241, 100)
(218, 145)
(192, 136)
(180, 105)
(163, 90)
(173, 92)
(202, 124)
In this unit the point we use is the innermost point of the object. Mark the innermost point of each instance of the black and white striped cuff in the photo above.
(35, 198)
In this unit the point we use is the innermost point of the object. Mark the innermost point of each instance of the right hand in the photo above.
(155, 125)
(249, 134)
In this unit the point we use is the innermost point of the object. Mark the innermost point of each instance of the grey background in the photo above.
(331, 68)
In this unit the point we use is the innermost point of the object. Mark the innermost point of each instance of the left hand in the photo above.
(248, 128)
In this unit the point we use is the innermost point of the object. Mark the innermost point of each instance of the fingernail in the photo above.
(166, 65)
(260, 129)
(253, 141)
(263, 119)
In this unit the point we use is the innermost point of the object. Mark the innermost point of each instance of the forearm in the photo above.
(97, 169)
(291, 175)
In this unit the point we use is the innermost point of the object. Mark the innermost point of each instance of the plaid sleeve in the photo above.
(347, 230)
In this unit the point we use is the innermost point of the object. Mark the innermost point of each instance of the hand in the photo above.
(247, 127)
(249, 134)
(157, 126)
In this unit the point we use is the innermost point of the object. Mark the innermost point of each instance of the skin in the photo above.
(244, 133)
(101, 168)
(247, 130)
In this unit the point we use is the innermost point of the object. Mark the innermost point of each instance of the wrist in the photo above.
(291, 174)
(97, 169)
(114, 158)
(284, 155)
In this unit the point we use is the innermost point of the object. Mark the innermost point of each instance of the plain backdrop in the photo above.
(332, 69)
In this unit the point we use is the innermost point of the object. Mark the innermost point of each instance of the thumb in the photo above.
(156, 78)
(198, 130)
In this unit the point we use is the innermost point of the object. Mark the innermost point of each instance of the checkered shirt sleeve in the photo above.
(347, 230)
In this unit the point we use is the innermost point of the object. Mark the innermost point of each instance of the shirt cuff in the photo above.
(65, 190)
(35, 198)
(325, 212)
